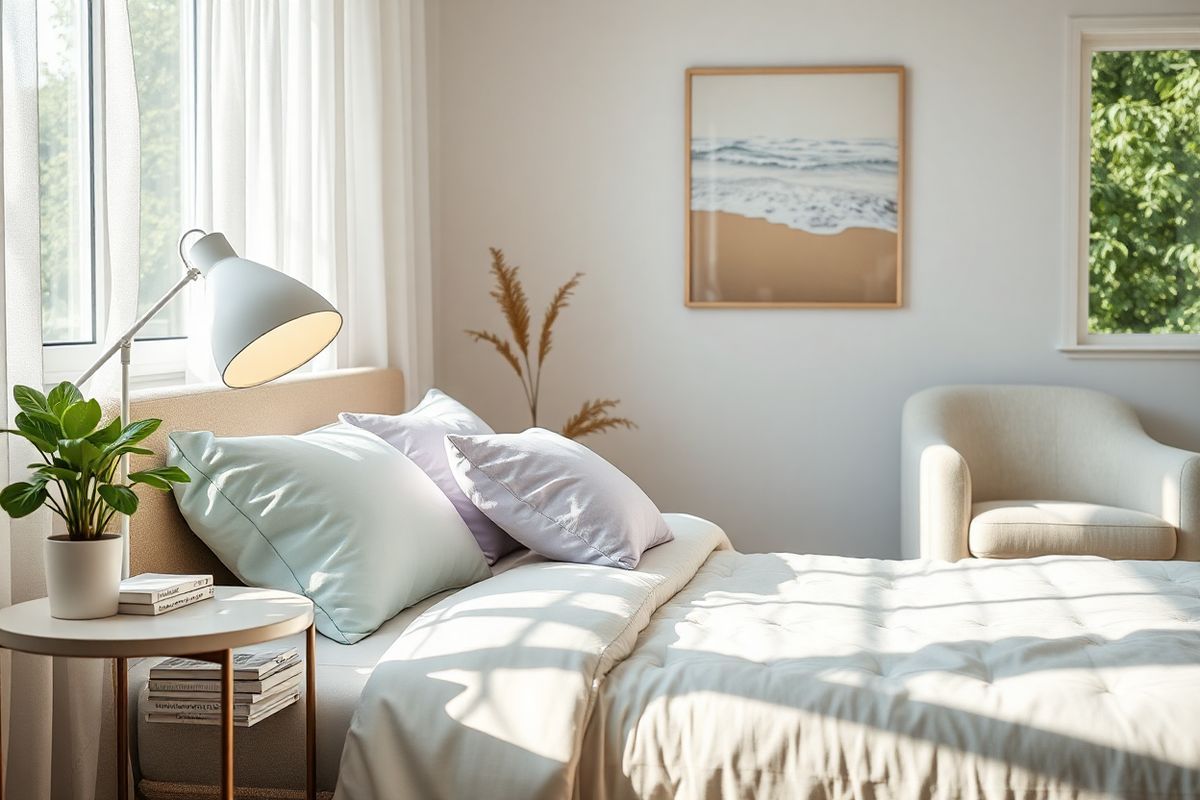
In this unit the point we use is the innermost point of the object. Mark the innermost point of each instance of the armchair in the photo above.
(1021, 471)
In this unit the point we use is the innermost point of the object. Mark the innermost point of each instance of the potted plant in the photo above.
(78, 480)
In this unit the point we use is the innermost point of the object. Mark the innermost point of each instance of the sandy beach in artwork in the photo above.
(795, 187)
(737, 259)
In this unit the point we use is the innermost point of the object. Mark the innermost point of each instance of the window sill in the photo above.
(1132, 351)
(158, 380)
(141, 379)
(155, 363)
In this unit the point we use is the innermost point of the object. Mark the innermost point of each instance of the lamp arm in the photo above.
(127, 338)
(123, 345)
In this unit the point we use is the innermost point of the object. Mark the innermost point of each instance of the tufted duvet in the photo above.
(710, 673)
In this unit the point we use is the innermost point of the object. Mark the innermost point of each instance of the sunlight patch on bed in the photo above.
(504, 704)
(487, 633)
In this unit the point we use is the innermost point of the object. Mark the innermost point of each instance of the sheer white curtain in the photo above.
(56, 714)
(117, 199)
(28, 680)
(311, 159)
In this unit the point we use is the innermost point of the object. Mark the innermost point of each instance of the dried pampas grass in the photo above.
(594, 418)
(509, 294)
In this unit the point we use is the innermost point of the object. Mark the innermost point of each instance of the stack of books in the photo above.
(154, 593)
(189, 691)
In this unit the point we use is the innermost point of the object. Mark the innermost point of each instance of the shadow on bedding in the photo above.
(825, 737)
(850, 684)
(802, 681)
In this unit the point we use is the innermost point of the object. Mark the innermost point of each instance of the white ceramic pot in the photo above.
(83, 577)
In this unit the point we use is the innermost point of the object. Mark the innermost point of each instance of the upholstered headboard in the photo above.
(160, 540)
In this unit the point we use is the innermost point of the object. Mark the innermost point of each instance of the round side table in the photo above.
(237, 616)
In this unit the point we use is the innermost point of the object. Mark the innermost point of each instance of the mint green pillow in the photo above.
(336, 514)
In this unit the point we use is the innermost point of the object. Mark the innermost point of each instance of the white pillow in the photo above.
(336, 514)
(557, 497)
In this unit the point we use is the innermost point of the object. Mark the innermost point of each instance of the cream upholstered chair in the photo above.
(1017, 471)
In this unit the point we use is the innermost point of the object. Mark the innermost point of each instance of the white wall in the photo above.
(558, 136)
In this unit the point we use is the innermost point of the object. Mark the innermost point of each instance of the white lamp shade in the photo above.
(264, 323)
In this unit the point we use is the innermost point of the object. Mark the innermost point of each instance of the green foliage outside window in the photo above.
(66, 312)
(1144, 244)
(154, 26)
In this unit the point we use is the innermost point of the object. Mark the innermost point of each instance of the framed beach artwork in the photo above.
(795, 187)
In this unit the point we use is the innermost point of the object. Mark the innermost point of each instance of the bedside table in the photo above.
(237, 616)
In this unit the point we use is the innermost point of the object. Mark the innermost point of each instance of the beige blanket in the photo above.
(719, 674)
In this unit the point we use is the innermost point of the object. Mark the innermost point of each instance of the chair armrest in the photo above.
(1164, 481)
(935, 496)
(944, 499)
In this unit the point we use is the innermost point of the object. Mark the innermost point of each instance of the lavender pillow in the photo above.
(420, 434)
(557, 497)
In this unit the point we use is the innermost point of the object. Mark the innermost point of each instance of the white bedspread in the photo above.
(718, 674)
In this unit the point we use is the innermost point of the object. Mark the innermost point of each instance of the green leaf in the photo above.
(62, 397)
(30, 399)
(81, 419)
(36, 440)
(22, 499)
(106, 435)
(40, 433)
(44, 417)
(110, 454)
(133, 433)
(160, 478)
(153, 481)
(174, 474)
(132, 450)
(78, 453)
(59, 473)
(120, 498)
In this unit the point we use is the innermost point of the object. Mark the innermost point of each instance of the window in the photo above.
(73, 282)
(64, 142)
(1135, 261)
(158, 52)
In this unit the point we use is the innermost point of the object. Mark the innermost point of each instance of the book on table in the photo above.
(186, 690)
(154, 593)
(150, 587)
(169, 604)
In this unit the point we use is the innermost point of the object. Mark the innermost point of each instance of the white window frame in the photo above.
(1086, 36)
(156, 362)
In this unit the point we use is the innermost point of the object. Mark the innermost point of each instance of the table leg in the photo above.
(227, 725)
(2, 753)
(310, 715)
(121, 709)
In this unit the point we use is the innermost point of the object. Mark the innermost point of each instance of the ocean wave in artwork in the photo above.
(814, 185)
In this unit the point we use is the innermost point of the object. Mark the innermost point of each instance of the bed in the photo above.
(710, 673)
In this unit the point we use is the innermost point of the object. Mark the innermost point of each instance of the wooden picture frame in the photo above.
(787, 198)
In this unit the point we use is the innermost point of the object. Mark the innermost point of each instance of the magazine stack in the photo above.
(187, 691)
